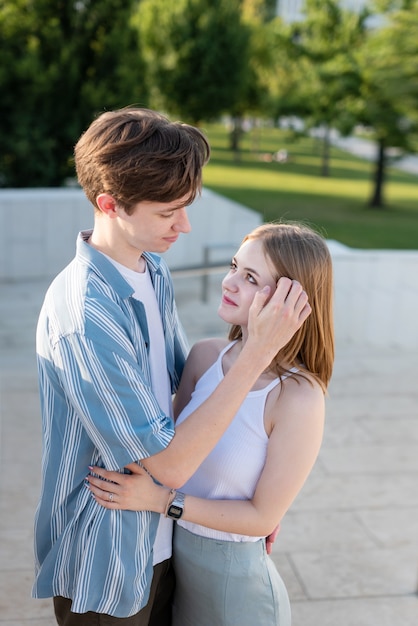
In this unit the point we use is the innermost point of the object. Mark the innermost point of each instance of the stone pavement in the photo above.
(348, 548)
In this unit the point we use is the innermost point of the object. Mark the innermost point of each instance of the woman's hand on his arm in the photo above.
(133, 492)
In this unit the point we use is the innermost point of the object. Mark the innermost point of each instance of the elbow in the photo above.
(256, 529)
(265, 530)
(268, 525)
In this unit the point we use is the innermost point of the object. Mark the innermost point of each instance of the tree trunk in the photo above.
(235, 137)
(325, 151)
(379, 177)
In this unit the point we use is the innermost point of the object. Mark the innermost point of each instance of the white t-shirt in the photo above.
(144, 291)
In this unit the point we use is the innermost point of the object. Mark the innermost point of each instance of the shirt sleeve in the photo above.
(107, 390)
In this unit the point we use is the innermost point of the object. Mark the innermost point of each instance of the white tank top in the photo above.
(232, 469)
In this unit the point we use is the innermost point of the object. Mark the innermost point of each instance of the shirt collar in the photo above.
(98, 263)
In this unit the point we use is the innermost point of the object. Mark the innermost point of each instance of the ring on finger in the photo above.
(111, 497)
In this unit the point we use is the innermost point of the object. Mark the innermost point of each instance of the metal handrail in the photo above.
(205, 268)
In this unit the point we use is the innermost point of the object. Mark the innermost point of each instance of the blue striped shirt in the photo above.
(98, 409)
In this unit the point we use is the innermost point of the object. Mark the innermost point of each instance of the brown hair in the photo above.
(136, 154)
(298, 252)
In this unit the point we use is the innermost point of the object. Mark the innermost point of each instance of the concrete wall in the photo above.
(376, 297)
(40, 226)
(376, 292)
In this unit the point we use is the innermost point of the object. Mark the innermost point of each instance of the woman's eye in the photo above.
(233, 265)
(251, 279)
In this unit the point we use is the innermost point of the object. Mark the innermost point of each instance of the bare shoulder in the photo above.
(204, 353)
(297, 399)
(302, 390)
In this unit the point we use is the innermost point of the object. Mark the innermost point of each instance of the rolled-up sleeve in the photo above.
(106, 390)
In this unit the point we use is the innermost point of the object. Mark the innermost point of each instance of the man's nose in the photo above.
(182, 224)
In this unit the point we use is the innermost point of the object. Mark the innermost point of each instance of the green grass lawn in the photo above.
(295, 191)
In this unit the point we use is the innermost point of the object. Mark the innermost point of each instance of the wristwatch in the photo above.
(176, 508)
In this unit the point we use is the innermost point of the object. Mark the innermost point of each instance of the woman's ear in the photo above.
(107, 204)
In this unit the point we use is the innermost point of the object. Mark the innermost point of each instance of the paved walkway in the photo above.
(348, 548)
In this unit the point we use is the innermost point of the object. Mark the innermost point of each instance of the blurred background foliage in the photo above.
(294, 190)
(62, 62)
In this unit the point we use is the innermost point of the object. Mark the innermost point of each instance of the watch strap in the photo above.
(175, 508)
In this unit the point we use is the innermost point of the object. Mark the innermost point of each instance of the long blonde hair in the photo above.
(300, 253)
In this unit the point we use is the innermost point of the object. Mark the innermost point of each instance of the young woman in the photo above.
(244, 487)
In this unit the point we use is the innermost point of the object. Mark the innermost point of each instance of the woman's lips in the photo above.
(227, 301)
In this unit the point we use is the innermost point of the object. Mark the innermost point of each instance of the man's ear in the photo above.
(107, 204)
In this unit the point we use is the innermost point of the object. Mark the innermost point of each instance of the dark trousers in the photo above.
(156, 613)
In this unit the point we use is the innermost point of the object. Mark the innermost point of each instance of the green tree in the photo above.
(282, 73)
(196, 53)
(316, 69)
(389, 93)
(256, 14)
(336, 70)
(62, 61)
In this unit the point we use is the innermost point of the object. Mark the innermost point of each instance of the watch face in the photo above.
(175, 511)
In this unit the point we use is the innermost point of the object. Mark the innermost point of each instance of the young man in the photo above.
(110, 353)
